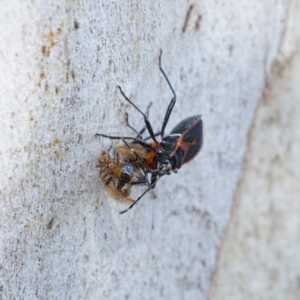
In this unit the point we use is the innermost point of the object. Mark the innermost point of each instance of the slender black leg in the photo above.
(147, 114)
(137, 140)
(147, 123)
(142, 131)
(142, 181)
(173, 100)
(153, 180)
(149, 137)
(139, 133)
(139, 182)
(139, 198)
(116, 137)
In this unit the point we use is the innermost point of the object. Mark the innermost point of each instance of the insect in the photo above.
(174, 150)
(119, 174)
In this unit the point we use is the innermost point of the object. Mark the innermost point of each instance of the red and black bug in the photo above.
(174, 150)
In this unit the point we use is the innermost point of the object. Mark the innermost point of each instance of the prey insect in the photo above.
(119, 174)
(159, 158)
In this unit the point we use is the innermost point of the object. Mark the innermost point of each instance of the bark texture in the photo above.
(60, 63)
(259, 258)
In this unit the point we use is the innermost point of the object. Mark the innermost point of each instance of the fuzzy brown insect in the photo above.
(120, 172)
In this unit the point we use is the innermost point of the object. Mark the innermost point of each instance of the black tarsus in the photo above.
(173, 100)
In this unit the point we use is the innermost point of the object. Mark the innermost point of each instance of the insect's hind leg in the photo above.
(172, 102)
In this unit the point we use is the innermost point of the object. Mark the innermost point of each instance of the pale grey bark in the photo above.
(259, 258)
(60, 62)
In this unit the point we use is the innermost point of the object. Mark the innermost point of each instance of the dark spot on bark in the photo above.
(187, 18)
(50, 224)
(198, 23)
(76, 25)
(44, 50)
(230, 50)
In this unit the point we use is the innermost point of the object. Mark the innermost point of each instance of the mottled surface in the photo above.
(260, 255)
(60, 62)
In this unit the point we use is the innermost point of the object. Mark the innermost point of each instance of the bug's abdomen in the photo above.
(191, 137)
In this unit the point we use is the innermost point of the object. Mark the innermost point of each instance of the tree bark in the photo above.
(258, 258)
(60, 63)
